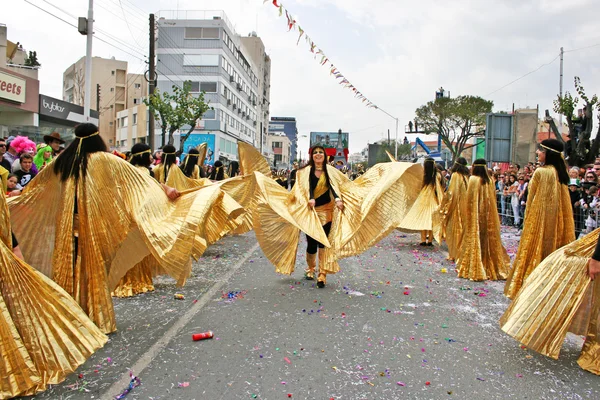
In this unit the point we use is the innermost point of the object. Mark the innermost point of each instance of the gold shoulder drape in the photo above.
(44, 334)
(482, 255)
(557, 297)
(123, 216)
(420, 216)
(548, 226)
(451, 214)
(251, 160)
(374, 205)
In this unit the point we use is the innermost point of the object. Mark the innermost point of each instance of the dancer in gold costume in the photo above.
(482, 255)
(420, 216)
(561, 295)
(96, 216)
(189, 166)
(548, 221)
(453, 209)
(44, 334)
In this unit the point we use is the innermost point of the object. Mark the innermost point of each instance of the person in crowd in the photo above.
(168, 160)
(157, 158)
(43, 157)
(217, 173)
(54, 141)
(481, 255)
(4, 162)
(561, 295)
(454, 208)
(548, 223)
(25, 173)
(513, 191)
(574, 173)
(508, 213)
(420, 216)
(189, 167)
(522, 192)
(11, 154)
(12, 186)
(234, 169)
(577, 202)
(23, 145)
(293, 172)
(500, 195)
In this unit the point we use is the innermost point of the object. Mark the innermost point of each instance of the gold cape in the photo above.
(123, 216)
(558, 296)
(374, 205)
(548, 226)
(44, 334)
(451, 214)
(420, 217)
(482, 255)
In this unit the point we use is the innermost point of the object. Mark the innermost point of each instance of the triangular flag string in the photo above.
(324, 60)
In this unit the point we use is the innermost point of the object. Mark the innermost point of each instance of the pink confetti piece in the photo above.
(287, 360)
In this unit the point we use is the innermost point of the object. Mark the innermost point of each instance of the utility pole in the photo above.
(152, 82)
(98, 103)
(560, 86)
(88, 61)
(396, 144)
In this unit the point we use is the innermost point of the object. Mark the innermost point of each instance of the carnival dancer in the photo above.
(96, 216)
(561, 295)
(453, 209)
(189, 167)
(481, 255)
(420, 216)
(548, 221)
(44, 334)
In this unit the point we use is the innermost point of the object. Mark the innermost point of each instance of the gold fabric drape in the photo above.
(251, 160)
(44, 333)
(420, 217)
(123, 217)
(482, 255)
(451, 214)
(374, 205)
(559, 297)
(548, 226)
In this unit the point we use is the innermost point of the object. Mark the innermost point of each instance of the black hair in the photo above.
(234, 168)
(72, 162)
(460, 167)
(144, 159)
(190, 162)
(480, 170)
(555, 158)
(311, 162)
(429, 172)
(217, 173)
(168, 158)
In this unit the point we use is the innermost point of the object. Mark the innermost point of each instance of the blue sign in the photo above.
(196, 139)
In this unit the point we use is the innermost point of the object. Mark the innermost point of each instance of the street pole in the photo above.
(152, 83)
(88, 62)
(560, 87)
(98, 103)
(396, 145)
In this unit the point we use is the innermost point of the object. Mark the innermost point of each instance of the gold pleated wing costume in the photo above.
(451, 215)
(548, 226)
(482, 255)
(123, 217)
(374, 205)
(420, 217)
(559, 297)
(44, 334)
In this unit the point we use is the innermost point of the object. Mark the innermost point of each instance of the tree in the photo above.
(31, 60)
(579, 150)
(456, 120)
(177, 110)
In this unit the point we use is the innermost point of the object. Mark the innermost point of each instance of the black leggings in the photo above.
(312, 244)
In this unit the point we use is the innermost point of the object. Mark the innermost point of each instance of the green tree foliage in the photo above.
(177, 110)
(32, 60)
(580, 151)
(456, 120)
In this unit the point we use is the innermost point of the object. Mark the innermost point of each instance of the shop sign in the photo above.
(12, 88)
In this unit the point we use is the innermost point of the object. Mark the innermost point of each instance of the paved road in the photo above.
(393, 324)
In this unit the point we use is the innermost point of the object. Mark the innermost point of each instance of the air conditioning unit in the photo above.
(243, 113)
(239, 110)
(247, 117)
(234, 106)
(231, 78)
(249, 98)
(254, 103)
(228, 102)
(239, 87)
(254, 123)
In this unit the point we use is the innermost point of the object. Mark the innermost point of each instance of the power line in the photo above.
(48, 12)
(127, 23)
(523, 76)
(582, 48)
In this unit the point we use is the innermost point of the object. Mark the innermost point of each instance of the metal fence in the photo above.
(512, 212)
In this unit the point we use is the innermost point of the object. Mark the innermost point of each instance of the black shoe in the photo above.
(423, 244)
(320, 284)
(430, 244)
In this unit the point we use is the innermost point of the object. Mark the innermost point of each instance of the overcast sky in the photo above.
(395, 52)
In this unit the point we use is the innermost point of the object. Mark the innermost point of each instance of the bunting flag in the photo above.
(324, 60)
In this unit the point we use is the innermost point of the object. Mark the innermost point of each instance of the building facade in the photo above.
(288, 126)
(203, 48)
(281, 147)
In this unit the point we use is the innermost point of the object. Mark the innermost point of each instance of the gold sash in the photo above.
(322, 187)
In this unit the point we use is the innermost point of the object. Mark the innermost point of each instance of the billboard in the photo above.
(498, 137)
(196, 139)
(335, 143)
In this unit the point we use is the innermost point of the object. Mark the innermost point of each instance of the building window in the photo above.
(210, 114)
(208, 87)
(278, 157)
(112, 89)
(136, 101)
(200, 60)
(123, 122)
(277, 145)
(137, 85)
(112, 73)
(134, 119)
(201, 33)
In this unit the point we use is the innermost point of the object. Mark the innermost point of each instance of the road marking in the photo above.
(145, 360)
